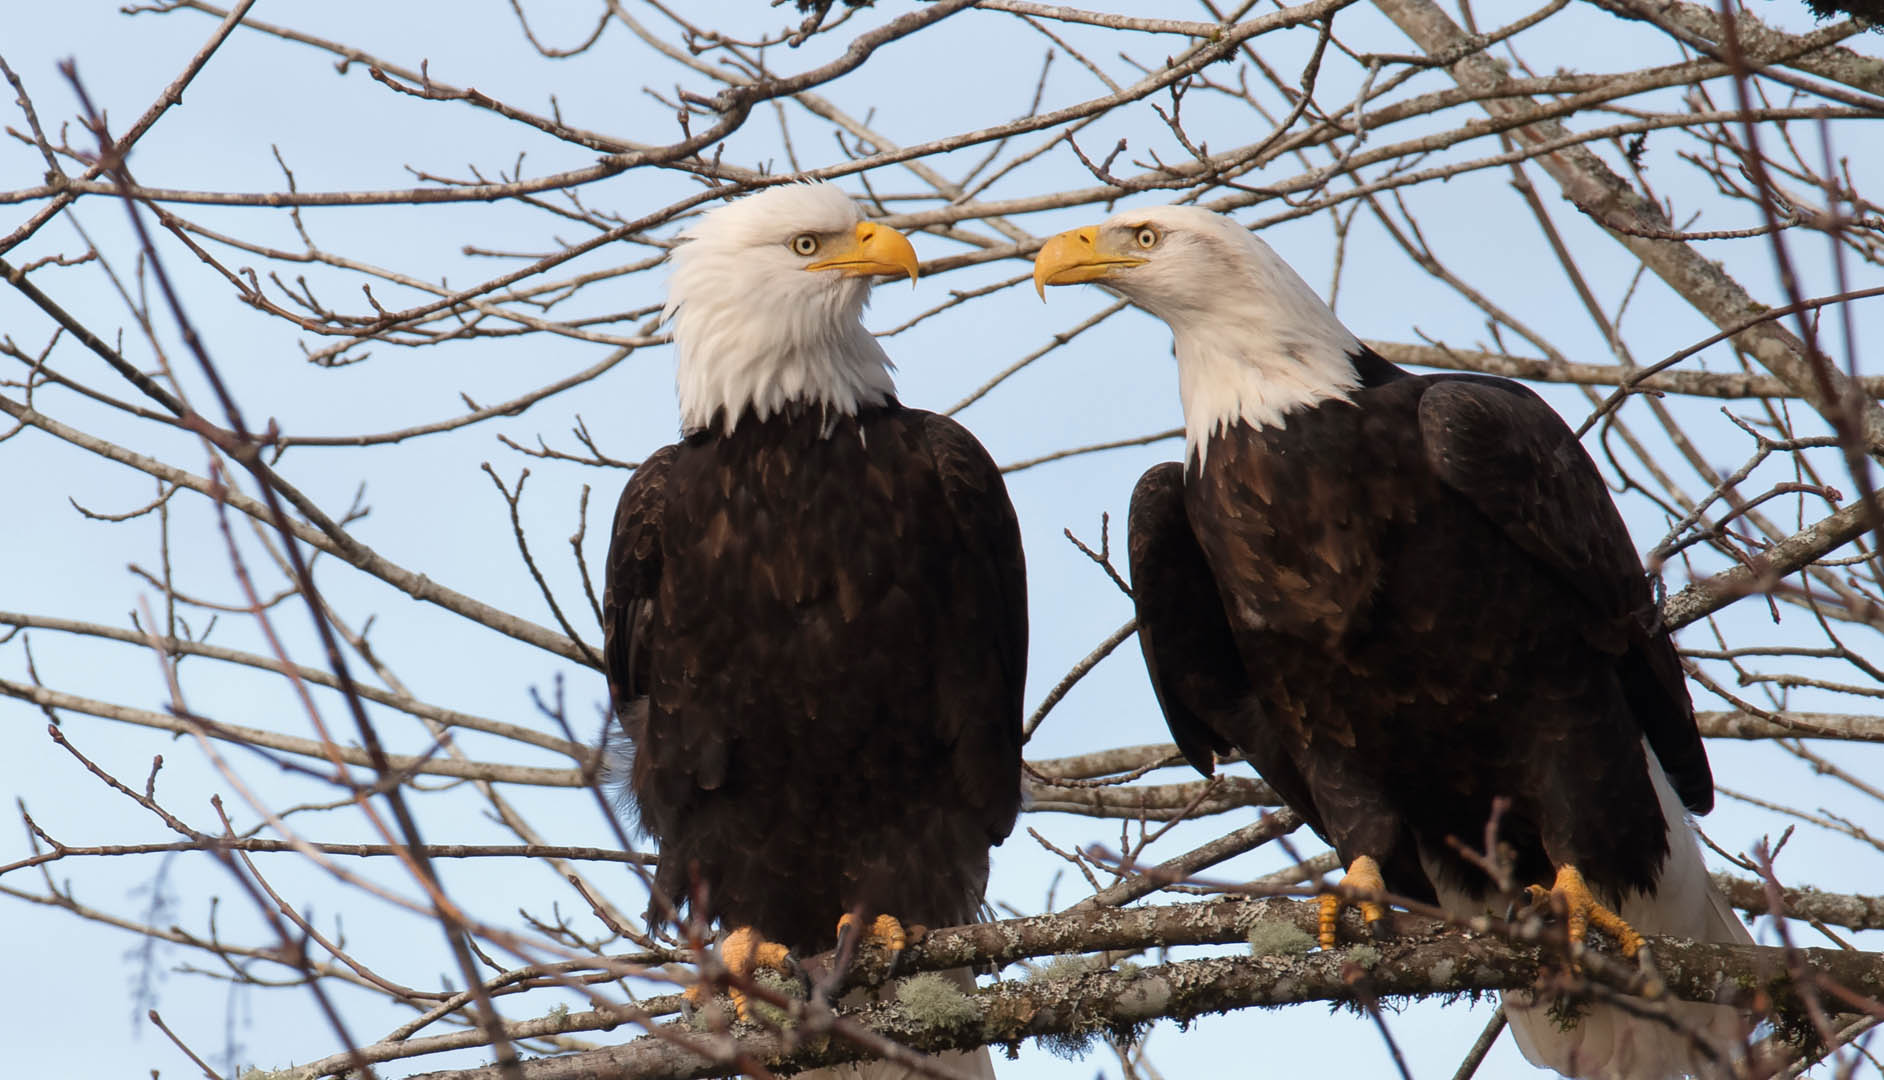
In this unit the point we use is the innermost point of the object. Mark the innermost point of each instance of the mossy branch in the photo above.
(1426, 958)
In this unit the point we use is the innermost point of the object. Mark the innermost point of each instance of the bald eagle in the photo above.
(816, 621)
(1404, 597)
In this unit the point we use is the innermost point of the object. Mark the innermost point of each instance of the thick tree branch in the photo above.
(1422, 960)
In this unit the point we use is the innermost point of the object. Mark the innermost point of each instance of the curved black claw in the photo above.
(847, 934)
(795, 972)
(896, 963)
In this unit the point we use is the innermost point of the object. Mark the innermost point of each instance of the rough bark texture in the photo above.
(1424, 959)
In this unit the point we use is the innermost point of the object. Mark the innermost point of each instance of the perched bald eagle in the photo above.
(816, 620)
(1403, 597)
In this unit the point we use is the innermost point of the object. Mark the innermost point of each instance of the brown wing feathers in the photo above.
(817, 638)
(1428, 600)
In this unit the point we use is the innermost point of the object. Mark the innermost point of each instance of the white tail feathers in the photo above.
(1605, 1042)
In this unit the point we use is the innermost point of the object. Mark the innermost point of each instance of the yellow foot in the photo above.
(743, 952)
(1582, 911)
(1363, 873)
(886, 931)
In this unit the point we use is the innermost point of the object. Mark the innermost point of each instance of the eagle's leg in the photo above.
(1582, 911)
(743, 952)
(1363, 873)
(886, 931)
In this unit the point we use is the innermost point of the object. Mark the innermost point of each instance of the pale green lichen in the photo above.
(1279, 939)
(1128, 969)
(1443, 971)
(1063, 967)
(779, 984)
(1365, 956)
(931, 998)
(764, 1011)
(289, 1073)
(1070, 1045)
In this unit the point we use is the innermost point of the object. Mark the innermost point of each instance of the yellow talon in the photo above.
(1581, 911)
(1363, 873)
(743, 952)
(886, 931)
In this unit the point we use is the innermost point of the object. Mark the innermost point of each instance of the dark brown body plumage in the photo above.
(1404, 606)
(816, 641)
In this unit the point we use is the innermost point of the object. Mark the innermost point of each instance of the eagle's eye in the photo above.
(1147, 237)
(805, 244)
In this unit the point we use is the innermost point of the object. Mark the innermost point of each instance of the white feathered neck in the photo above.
(755, 331)
(1253, 340)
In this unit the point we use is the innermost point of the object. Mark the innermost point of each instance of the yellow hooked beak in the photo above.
(1076, 256)
(872, 249)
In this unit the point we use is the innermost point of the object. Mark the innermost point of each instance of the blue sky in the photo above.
(75, 1006)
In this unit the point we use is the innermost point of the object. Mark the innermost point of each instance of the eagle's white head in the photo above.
(765, 302)
(1253, 341)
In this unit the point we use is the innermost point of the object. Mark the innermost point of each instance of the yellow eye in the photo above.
(805, 244)
(1147, 237)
